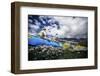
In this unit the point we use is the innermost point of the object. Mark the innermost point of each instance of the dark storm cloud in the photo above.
(63, 26)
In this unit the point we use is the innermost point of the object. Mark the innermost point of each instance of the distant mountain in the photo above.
(73, 39)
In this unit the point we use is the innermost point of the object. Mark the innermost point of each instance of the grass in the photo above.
(51, 53)
(75, 54)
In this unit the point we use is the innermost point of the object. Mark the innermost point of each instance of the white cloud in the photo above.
(73, 26)
(69, 26)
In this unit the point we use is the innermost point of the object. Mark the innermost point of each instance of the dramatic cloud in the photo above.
(70, 27)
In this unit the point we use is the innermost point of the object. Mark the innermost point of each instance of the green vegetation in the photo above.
(74, 54)
(49, 53)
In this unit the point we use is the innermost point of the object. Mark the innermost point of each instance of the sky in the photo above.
(63, 26)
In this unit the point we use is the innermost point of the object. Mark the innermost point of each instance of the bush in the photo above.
(45, 53)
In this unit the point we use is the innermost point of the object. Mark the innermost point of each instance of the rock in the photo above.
(45, 53)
